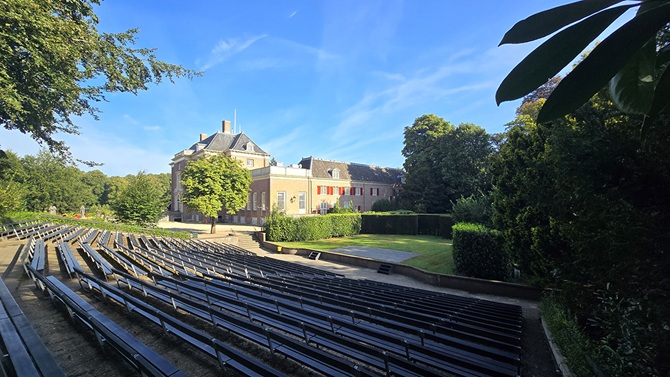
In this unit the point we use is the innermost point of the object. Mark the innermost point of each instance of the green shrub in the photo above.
(282, 228)
(382, 205)
(478, 252)
(473, 209)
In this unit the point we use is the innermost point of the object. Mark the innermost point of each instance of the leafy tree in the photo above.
(163, 182)
(215, 182)
(113, 188)
(11, 196)
(633, 59)
(443, 163)
(141, 202)
(382, 205)
(95, 180)
(54, 65)
(473, 209)
(52, 180)
(582, 202)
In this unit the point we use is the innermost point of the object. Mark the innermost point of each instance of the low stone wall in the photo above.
(472, 285)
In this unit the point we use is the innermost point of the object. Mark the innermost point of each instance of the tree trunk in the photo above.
(213, 228)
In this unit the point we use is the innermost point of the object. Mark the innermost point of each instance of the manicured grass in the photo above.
(436, 252)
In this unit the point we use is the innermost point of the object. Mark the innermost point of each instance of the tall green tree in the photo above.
(583, 205)
(632, 61)
(141, 202)
(444, 163)
(215, 182)
(55, 64)
(52, 180)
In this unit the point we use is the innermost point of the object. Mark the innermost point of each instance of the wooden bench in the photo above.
(27, 353)
(143, 358)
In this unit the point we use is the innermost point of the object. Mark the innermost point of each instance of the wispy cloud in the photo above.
(227, 48)
(293, 14)
(135, 122)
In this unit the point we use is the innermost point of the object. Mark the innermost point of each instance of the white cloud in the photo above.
(293, 14)
(227, 48)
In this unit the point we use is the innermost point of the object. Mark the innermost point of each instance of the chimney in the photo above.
(226, 126)
(203, 137)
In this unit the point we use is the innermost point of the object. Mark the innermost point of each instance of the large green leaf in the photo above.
(554, 54)
(632, 88)
(661, 94)
(544, 23)
(603, 63)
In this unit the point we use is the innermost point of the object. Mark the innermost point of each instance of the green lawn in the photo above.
(435, 251)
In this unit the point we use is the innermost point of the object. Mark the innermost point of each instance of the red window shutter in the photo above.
(377, 191)
(371, 191)
(318, 190)
(341, 190)
(330, 190)
(352, 190)
(360, 191)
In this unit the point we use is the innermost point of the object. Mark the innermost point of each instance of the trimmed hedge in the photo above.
(282, 228)
(410, 224)
(478, 252)
(382, 223)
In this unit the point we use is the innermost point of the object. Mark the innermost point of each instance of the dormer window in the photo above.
(335, 173)
(250, 147)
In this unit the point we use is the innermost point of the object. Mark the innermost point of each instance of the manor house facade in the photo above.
(311, 187)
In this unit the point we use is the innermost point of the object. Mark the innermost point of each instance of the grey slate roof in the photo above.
(222, 142)
(351, 171)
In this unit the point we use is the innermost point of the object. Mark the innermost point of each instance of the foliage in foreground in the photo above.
(583, 204)
(55, 65)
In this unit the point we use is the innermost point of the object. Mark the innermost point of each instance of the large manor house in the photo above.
(311, 187)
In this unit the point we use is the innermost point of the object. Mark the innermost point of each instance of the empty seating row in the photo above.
(26, 353)
(68, 258)
(226, 355)
(143, 358)
(324, 362)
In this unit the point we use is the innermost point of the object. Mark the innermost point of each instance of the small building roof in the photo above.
(351, 171)
(221, 142)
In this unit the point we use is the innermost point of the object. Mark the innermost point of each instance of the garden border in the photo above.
(471, 285)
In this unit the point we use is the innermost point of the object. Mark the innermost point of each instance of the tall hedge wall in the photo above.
(383, 223)
(412, 224)
(478, 252)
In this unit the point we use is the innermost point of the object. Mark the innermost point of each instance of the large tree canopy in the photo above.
(443, 163)
(633, 59)
(215, 182)
(54, 65)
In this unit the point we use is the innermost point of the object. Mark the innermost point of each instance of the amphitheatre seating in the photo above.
(38, 257)
(143, 358)
(27, 355)
(225, 354)
(299, 320)
(29, 230)
(100, 262)
(78, 231)
(68, 258)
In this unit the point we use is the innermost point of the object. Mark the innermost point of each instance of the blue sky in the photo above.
(336, 80)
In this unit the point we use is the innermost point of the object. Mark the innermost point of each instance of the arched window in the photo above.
(335, 173)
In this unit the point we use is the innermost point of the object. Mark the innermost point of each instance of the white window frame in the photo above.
(248, 201)
(302, 202)
(250, 162)
(255, 201)
(263, 200)
(281, 203)
(323, 208)
(335, 173)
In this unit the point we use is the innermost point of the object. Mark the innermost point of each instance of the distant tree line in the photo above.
(38, 182)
